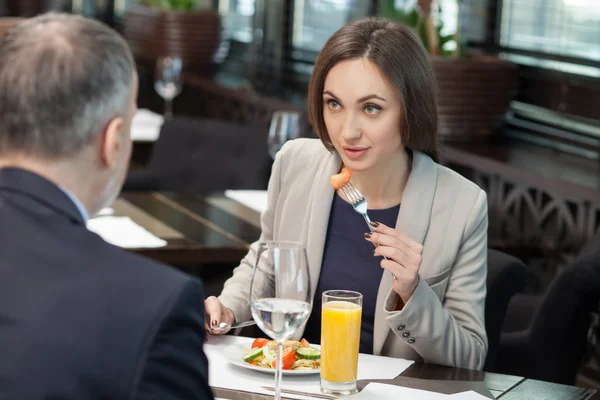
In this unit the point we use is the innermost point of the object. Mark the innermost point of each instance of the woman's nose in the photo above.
(351, 128)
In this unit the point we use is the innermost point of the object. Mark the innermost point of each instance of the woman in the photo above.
(372, 102)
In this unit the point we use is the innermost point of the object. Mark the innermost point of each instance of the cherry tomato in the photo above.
(259, 342)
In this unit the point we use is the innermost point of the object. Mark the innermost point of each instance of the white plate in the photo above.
(234, 353)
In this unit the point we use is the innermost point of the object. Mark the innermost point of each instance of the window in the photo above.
(473, 17)
(568, 28)
(238, 18)
(89, 8)
(316, 20)
(121, 6)
(557, 45)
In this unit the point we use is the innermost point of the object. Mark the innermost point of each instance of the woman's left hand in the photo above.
(403, 257)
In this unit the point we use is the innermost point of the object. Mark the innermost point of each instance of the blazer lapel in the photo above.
(315, 226)
(413, 221)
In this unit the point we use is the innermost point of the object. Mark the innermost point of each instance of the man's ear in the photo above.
(111, 142)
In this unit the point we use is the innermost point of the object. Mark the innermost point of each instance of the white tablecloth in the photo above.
(223, 374)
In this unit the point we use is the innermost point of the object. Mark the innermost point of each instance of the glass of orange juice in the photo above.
(340, 340)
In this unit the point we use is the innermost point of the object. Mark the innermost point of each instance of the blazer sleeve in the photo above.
(175, 365)
(236, 290)
(453, 332)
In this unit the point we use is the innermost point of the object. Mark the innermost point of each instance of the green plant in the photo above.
(175, 5)
(419, 18)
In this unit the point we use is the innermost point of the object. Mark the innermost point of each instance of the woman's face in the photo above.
(362, 113)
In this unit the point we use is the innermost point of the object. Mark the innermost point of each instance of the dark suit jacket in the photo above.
(82, 319)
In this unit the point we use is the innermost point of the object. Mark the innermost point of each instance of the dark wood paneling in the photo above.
(567, 94)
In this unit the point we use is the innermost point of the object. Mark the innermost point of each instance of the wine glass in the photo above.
(168, 81)
(280, 294)
(285, 125)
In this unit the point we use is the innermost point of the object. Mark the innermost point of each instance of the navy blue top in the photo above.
(349, 264)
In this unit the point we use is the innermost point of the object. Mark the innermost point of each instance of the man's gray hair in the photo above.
(62, 79)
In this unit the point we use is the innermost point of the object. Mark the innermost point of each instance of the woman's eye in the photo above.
(334, 105)
(372, 109)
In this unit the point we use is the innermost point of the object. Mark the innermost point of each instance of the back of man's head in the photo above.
(63, 78)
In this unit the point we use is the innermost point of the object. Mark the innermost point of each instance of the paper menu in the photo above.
(380, 391)
(470, 395)
(124, 232)
(146, 125)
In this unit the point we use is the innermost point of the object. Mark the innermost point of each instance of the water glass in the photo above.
(285, 125)
(280, 295)
(168, 81)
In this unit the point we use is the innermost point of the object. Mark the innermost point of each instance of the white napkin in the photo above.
(123, 232)
(470, 395)
(223, 374)
(379, 367)
(145, 126)
(254, 199)
(381, 391)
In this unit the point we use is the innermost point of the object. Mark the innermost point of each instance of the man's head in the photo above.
(68, 89)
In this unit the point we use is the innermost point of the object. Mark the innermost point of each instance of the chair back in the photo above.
(506, 277)
(558, 333)
(202, 156)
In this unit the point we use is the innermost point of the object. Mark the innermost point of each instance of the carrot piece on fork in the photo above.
(339, 180)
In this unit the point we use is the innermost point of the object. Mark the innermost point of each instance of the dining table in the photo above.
(217, 229)
(195, 230)
(230, 380)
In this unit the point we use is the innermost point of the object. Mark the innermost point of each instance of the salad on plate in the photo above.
(297, 355)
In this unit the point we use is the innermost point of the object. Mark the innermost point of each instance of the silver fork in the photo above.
(360, 205)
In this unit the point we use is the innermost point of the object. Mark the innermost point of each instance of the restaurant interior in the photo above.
(223, 85)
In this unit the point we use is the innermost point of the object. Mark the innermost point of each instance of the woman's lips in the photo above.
(355, 152)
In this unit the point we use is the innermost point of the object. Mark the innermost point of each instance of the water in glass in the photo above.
(280, 294)
(168, 80)
(285, 125)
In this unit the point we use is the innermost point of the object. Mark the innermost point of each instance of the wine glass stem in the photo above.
(168, 109)
(279, 372)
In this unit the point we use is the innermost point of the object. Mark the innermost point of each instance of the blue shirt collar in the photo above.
(78, 204)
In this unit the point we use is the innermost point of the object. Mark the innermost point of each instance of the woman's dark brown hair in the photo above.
(398, 53)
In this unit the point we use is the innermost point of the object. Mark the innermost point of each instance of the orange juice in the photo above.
(340, 339)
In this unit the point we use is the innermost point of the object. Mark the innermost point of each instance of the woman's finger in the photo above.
(386, 230)
(412, 262)
(212, 307)
(390, 241)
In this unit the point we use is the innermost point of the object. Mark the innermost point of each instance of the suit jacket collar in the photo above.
(417, 200)
(315, 227)
(413, 220)
(41, 190)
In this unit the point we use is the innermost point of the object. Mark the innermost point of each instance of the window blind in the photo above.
(569, 28)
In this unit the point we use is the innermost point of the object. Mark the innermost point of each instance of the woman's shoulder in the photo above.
(468, 198)
(455, 181)
(450, 186)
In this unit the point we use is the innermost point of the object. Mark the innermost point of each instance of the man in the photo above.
(79, 318)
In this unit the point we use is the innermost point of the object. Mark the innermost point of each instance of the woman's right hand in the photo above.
(216, 313)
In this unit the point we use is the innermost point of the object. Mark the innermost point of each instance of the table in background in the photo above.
(196, 231)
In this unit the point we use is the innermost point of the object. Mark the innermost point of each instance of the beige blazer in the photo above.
(443, 322)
